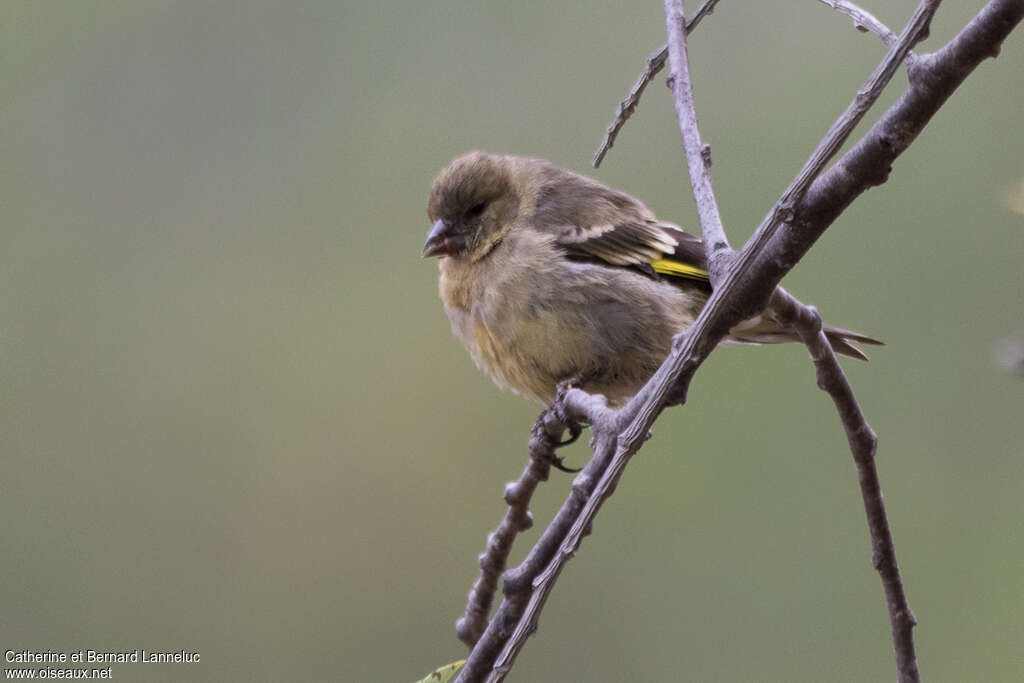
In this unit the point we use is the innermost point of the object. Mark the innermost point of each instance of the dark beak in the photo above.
(443, 240)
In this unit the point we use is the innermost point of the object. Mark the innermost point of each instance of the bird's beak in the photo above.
(443, 240)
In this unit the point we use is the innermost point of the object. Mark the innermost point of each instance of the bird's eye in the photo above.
(477, 209)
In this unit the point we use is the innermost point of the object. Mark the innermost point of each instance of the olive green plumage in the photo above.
(547, 275)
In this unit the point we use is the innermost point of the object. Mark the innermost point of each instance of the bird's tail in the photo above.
(764, 329)
(842, 341)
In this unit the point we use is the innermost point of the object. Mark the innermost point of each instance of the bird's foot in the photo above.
(559, 464)
(575, 428)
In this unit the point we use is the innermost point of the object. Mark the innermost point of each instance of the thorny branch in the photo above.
(808, 207)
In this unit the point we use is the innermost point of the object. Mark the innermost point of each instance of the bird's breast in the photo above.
(509, 317)
(535, 320)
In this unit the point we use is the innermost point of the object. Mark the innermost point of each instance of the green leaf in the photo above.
(443, 674)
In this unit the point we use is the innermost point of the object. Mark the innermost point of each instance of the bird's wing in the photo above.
(687, 260)
(649, 245)
(592, 221)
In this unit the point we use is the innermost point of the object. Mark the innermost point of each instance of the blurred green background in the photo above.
(233, 418)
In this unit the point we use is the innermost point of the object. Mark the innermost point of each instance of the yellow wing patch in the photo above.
(678, 269)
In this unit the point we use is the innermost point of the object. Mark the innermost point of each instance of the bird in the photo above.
(549, 277)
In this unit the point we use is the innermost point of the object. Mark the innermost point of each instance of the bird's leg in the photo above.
(546, 437)
(574, 427)
(557, 463)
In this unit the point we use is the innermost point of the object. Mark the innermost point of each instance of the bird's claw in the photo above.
(575, 429)
(559, 464)
(574, 433)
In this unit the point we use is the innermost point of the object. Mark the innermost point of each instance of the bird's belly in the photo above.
(610, 335)
(526, 355)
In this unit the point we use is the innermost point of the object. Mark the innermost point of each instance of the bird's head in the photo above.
(472, 206)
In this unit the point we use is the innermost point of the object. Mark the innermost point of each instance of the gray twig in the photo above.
(545, 434)
(575, 407)
(808, 208)
(655, 63)
(784, 209)
(698, 153)
(863, 446)
(864, 21)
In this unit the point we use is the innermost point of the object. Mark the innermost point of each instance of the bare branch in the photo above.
(575, 407)
(617, 436)
(544, 582)
(783, 211)
(655, 63)
(698, 154)
(864, 21)
(518, 582)
(863, 445)
(517, 518)
(933, 79)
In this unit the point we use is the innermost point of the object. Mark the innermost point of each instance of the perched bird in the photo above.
(547, 275)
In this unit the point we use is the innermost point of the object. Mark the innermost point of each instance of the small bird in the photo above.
(549, 276)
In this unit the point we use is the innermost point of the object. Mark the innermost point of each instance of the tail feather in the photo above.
(767, 330)
(842, 341)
